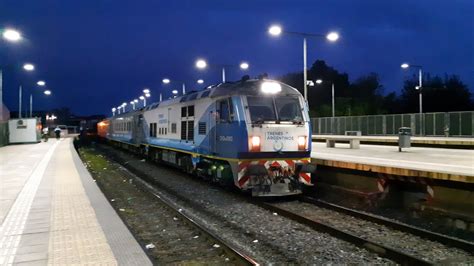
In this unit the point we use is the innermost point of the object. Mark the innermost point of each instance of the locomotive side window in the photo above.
(225, 111)
(191, 110)
(173, 128)
(183, 111)
(191, 130)
(183, 130)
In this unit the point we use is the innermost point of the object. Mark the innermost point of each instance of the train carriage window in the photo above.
(191, 110)
(183, 111)
(173, 128)
(183, 130)
(151, 129)
(191, 130)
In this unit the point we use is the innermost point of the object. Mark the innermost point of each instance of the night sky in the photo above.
(96, 54)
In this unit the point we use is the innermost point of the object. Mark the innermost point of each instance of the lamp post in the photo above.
(27, 67)
(13, 36)
(40, 83)
(320, 81)
(113, 111)
(202, 64)
(420, 89)
(276, 30)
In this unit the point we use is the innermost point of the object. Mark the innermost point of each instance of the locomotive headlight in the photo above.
(270, 87)
(254, 143)
(302, 143)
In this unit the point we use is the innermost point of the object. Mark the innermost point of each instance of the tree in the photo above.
(439, 95)
(319, 95)
(367, 95)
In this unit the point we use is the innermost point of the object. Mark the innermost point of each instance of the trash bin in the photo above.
(404, 138)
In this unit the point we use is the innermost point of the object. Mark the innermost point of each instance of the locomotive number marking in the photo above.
(226, 138)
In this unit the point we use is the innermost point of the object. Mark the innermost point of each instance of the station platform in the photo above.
(52, 212)
(467, 143)
(435, 163)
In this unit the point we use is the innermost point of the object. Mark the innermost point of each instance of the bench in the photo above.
(354, 141)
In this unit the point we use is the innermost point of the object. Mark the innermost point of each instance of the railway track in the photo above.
(383, 249)
(363, 239)
(444, 239)
(240, 257)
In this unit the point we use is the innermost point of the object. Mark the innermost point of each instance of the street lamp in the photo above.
(277, 30)
(41, 83)
(28, 67)
(418, 88)
(133, 104)
(113, 111)
(200, 81)
(320, 81)
(168, 81)
(123, 106)
(45, 92)
(146, 91)
(202, 64)
(143, 99)
(11, 35)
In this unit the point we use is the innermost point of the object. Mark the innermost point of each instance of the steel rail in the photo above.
(243, 259)
(382, 250)
(444, 239)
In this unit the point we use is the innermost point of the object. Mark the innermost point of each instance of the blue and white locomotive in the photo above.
(254, 134)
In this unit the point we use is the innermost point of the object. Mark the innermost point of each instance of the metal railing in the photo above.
(459, 124)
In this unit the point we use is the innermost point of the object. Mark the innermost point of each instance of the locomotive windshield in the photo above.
(264, 109)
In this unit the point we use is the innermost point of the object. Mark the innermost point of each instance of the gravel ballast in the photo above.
(266, 236)
(408, 243)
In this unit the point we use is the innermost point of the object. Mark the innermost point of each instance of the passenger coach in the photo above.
(254, 134)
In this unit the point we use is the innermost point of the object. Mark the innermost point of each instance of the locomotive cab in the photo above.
(274, 157)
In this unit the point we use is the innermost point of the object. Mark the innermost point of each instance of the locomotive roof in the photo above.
(247, 87)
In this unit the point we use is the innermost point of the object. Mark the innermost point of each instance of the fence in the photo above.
(3, 133)
(434, 124)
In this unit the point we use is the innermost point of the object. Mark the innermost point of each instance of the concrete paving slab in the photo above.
(50, 210)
